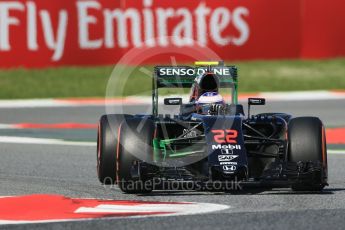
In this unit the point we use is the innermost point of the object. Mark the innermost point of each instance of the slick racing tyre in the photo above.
(106, 147)
(307, 143)
(136, 137)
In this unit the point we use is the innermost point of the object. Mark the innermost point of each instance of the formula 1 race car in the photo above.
(211, 143)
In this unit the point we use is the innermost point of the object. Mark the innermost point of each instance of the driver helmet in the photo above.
(208, 99)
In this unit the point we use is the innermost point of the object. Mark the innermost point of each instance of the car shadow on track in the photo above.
(203, 193)
(327, 191)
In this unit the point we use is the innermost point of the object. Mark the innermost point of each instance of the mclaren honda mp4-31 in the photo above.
(211, 143)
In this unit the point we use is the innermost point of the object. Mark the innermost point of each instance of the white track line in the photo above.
(271, 96)
(27, 103)
(302, 95)
(43, 141)
(8, 126)
(175, 209)
(336, 151)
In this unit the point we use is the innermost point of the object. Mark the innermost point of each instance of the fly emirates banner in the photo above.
(41, 33)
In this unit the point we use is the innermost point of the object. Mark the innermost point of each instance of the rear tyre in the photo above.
(136, 137)
(307, 143)
(106, 147)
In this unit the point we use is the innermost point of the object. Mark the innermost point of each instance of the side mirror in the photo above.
(173, 101)
(255, 101)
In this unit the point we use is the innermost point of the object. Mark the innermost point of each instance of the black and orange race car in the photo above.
(211, 143)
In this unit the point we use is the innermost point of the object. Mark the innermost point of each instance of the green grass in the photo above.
(254, 76)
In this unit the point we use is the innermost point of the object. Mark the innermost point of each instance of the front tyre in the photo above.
(106, 147)
(307, 143)
(136, 138)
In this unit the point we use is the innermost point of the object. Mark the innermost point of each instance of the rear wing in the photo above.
(184, 76)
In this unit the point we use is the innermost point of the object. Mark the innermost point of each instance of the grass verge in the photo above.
(254, 76)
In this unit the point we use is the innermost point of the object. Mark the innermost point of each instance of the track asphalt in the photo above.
(70, 170)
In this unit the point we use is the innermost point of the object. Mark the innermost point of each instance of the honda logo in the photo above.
(229, 167)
